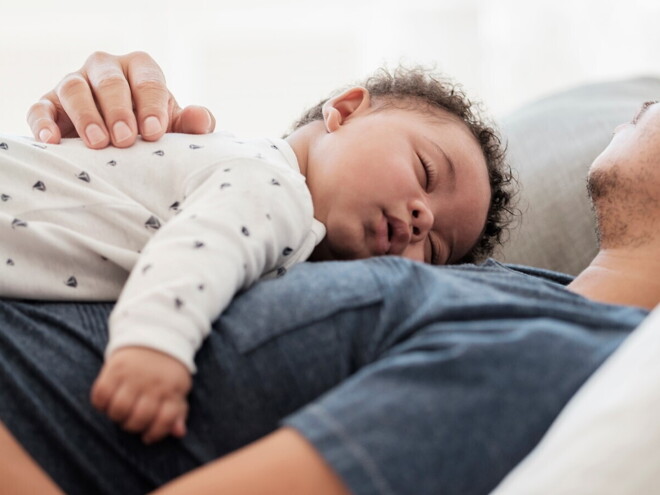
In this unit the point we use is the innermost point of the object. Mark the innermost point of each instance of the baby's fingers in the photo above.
(103, 389)
(170, 412)
(121, 404)
(179, 428)
(142, 415)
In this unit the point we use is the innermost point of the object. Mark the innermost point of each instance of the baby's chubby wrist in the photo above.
(163, 333)
(145, 357)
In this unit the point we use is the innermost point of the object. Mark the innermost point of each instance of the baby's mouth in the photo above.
(398, 235)
(383, 236)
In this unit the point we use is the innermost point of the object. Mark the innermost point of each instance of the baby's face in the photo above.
(399, 182)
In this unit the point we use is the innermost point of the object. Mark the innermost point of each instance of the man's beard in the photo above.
(601, 184)
(626, 206)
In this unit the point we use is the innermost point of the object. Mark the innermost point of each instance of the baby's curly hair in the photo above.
(410, 86)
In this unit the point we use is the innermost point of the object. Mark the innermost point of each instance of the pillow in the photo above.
(551, 144)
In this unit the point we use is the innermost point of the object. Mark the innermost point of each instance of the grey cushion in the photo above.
(552, 143)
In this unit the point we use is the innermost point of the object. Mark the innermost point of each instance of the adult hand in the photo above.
(112, 99)
(145, 391)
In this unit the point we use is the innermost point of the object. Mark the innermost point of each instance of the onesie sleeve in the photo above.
(246, 219)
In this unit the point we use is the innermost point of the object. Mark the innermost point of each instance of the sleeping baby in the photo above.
(398, 165)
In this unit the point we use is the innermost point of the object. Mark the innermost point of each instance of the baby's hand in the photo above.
(145, 391)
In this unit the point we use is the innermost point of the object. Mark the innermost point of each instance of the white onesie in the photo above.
(192, 219)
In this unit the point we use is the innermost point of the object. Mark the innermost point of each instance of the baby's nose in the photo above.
(421, 220)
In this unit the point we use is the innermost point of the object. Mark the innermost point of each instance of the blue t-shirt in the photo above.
(406, 378)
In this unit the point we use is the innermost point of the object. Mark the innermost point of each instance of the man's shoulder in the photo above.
(493, 290)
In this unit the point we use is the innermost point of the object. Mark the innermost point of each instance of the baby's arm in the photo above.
(245, 220)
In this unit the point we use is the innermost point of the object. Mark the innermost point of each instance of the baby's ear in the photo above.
(339, 108)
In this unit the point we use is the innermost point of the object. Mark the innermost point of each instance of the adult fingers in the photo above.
(153, 102)
(111, 92)
(112, 98)
(47, 121)
(193, 120)
(75, 96)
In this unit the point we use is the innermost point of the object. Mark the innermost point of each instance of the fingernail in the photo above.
(94, 134)
(209, 126)
(121, 131)
(151, 126)
(45, 135)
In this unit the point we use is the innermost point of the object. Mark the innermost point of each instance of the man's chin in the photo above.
(602, 182)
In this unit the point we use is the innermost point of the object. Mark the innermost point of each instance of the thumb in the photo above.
(192, 120)
(101, 392)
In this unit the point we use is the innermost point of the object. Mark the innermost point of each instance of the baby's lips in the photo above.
(399, 235)
(382, 238)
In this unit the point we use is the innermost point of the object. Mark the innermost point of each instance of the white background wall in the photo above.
(258, 63)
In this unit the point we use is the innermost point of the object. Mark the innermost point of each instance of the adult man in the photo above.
(438, 380)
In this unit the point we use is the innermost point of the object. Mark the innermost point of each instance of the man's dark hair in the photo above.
(412, 86)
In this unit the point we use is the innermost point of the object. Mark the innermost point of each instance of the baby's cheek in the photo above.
(345, 239)
(416, 252)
